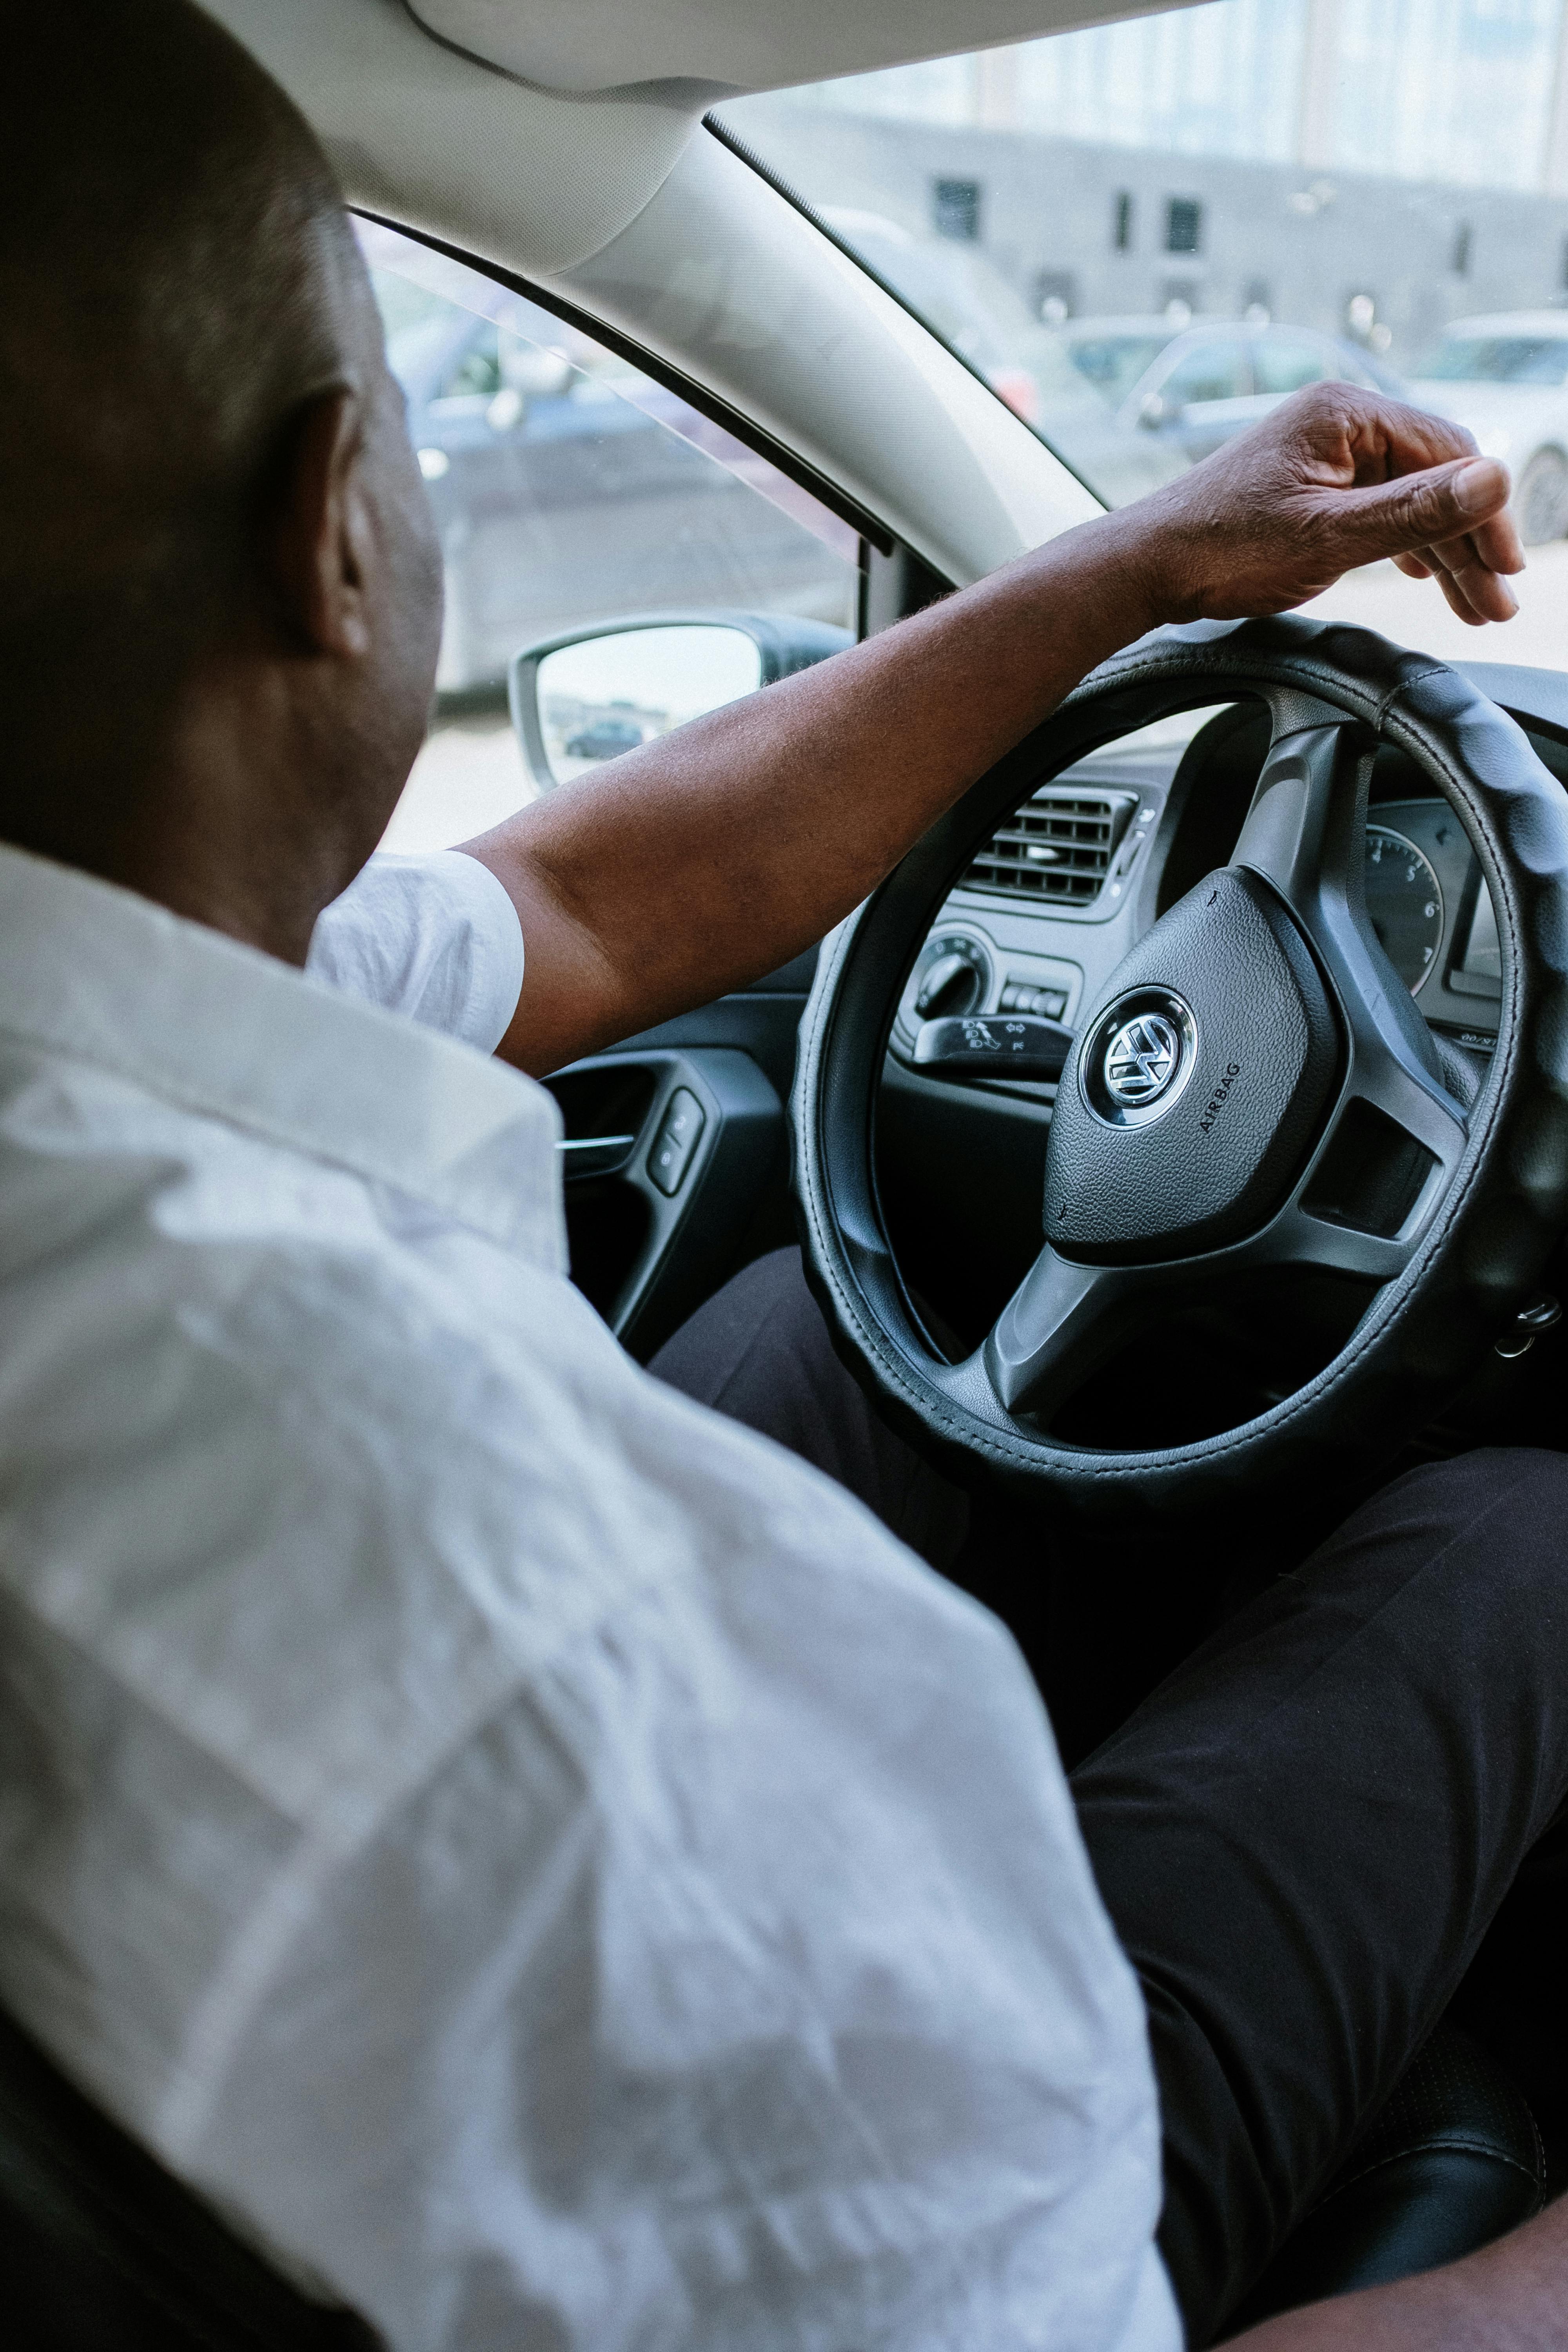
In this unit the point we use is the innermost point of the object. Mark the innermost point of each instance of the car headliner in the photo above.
(726, 45)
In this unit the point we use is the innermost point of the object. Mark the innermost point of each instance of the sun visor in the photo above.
(733, 45)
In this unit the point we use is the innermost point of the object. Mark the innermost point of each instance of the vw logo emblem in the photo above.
(1141, 1059)
(1137, 1056)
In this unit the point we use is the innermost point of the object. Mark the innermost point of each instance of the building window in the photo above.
(1121, 221)
(957, 208)
(1055, 295)
(1183, 224)
(1463, 240)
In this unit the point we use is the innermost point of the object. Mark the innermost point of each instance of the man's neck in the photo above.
(236, 821)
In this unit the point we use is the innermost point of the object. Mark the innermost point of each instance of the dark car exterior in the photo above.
(1192, 388)
(562, 494)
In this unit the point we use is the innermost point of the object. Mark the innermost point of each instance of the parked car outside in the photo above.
(606, 739)
(957, 290)
(1506, 377)
(1190, 388)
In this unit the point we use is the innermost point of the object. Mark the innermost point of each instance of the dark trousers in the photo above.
(1306, 1832)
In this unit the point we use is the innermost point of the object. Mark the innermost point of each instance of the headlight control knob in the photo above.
(953, 984)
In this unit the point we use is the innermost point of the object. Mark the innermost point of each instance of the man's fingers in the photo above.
(1424, 510)
(1455, 597)
(1390, 439)
(1499, 544)
(1457, 600)
(1470, 585)
(1414, 567)
(1487, 594)
(1459, 561)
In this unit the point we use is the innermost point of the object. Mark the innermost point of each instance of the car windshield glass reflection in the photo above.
(1113, 363)
(1499, 359)
(1215, 371)
(1200, 211)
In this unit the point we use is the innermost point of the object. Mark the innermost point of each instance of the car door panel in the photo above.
(665, 1153)
(647, 1257)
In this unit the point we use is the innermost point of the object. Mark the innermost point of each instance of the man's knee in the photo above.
(1499, 1514)
(760, 1352)
(757, 1338)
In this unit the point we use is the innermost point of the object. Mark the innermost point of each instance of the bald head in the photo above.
(180, 294)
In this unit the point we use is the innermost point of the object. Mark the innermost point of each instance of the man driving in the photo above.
(544, 1860)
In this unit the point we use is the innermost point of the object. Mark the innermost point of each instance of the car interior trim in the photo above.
(797, 336)
(429, 130)
(742, 147)
(602, 44)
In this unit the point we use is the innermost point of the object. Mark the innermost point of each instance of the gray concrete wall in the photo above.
(1302, 242)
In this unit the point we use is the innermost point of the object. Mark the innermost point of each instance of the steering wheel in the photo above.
(1253, 1090)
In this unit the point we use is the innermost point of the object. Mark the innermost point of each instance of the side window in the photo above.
(1212, 370)
(1285, 362)
(475, 372)
(567, 488)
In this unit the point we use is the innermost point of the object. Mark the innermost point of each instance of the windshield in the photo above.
(1144, 234)
(1499, 359)
(1113, 363)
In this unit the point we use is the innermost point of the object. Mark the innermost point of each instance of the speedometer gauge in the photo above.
(1403, 903)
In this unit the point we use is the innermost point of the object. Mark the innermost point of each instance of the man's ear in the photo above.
(318, 536)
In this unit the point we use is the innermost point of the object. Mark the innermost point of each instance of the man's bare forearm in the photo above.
(718, 852)
(714, 855)
(1510, 2297)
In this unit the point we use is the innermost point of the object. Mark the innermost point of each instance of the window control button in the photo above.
(680, 1132)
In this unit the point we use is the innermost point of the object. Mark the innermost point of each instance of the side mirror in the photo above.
(582, 698)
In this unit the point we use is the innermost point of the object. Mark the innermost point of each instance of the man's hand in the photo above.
(716, 854)
(1331, 479)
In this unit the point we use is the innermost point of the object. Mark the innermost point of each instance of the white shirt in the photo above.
(540, 1857)
(436, 938)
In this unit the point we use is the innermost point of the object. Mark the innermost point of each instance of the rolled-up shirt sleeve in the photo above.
(436, 938)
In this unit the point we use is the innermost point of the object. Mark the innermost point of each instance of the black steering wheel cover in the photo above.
(1506, 1208)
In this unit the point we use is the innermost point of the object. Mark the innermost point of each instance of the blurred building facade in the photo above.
(1371, 166)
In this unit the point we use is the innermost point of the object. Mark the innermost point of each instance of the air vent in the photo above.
(1059, 846)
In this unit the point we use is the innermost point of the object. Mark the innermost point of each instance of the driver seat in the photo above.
(103, 2251)
(1452, 2160)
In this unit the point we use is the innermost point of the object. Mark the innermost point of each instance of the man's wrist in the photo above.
(1136, 545)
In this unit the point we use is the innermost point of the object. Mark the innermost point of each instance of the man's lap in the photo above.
(1304, 1832)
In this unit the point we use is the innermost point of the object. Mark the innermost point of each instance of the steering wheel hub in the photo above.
(1221, 1021)
(1138, 1056)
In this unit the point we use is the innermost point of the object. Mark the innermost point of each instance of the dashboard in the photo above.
(1054, 899)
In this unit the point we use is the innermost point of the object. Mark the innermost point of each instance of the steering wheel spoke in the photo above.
(1063, 1320)
(1290, 835)
(1297, 1237)
(1305, 835)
